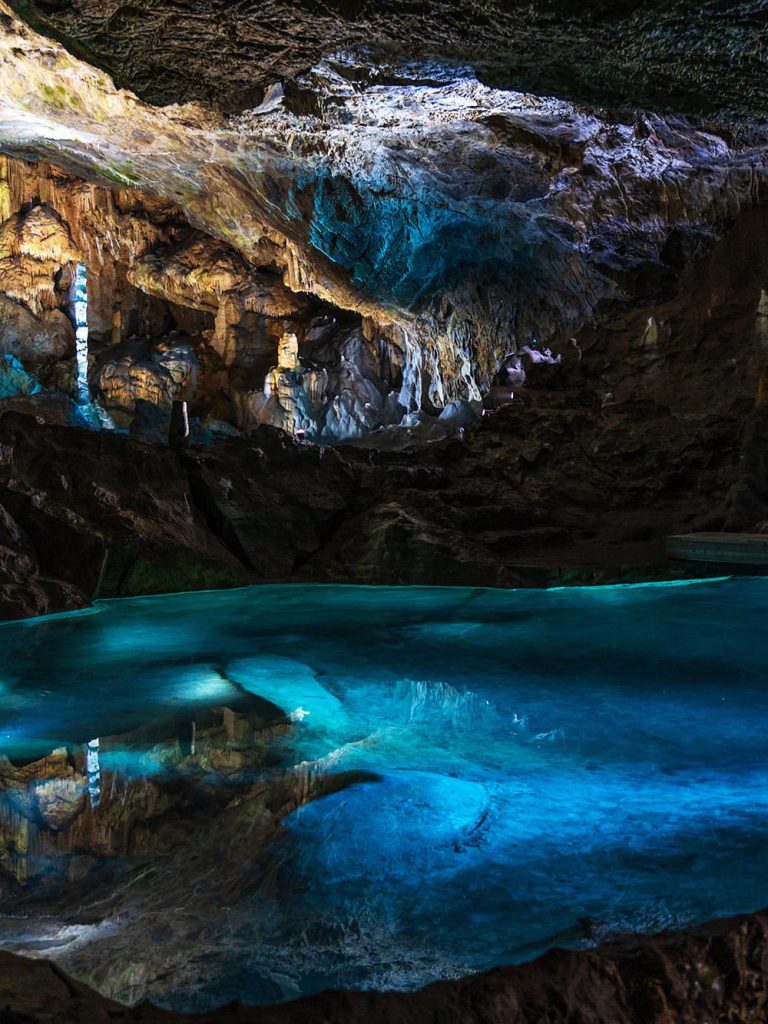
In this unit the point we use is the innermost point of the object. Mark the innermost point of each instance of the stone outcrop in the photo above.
(36, 251)
(140, 372)
(35, 246)
(637, 433)
(37, 340)
(459, 221)
(713, 973)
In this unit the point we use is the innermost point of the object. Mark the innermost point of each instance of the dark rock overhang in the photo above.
(685, 56)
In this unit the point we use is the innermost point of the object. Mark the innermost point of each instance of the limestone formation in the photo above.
(380, 293)
(459, 220)
(683, 56)
(580, 476)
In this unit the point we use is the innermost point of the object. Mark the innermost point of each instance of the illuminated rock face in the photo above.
(65, 249)
(634, 435)
(35, 246)
(171, 313)
(458, 221)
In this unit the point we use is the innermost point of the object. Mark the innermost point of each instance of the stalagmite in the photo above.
(93, 772)
(80, 288)
(6, 207)
(117, 327)
(178, 433)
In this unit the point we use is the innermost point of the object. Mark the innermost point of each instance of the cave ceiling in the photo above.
(387, 159)
(683, 56)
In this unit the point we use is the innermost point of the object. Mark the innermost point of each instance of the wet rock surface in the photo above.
(716, 972)
(155, 861)
(123, 837)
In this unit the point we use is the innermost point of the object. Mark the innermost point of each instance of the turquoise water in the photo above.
(550, 767)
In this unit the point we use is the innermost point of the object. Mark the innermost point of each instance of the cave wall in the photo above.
(172, 314)
(369, 245)
(104, 228)
(51, 222)
(652, 424)
(458, 220)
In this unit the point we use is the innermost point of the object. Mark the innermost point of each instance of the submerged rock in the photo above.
(711, 972)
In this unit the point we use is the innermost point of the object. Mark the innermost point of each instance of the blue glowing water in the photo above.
(552, 766)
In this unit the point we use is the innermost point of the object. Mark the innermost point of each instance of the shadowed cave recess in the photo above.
(452, 301)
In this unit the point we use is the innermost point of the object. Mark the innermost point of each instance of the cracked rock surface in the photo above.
(681, 56)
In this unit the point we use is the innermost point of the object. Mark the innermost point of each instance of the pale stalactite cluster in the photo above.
(398, 201)
(146, 268)
(458, 221)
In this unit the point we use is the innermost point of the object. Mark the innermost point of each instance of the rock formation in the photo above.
(635, 434)
(680, 56)
(716, 972)
(456, 221)
(450, 293)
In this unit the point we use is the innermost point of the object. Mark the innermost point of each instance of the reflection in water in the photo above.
(297, 787)
(93, 772)
(61, 815)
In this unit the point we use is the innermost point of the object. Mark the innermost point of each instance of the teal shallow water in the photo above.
(551, 766)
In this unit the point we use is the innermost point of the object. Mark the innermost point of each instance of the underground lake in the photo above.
(261, 793)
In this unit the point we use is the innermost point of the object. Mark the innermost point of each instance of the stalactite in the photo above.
(410, 392)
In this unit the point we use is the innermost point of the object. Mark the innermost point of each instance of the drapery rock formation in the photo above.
(457, 221)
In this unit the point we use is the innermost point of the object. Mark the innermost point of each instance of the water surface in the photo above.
(544, 767)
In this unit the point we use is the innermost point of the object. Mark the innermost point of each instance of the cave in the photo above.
(383, 512)
(171, 314)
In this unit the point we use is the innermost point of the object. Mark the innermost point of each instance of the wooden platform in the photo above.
(725, 548)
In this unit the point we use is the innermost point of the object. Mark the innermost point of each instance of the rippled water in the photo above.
(549, 767)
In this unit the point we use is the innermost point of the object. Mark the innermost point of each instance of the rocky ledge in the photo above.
(715, 973)
(648, 426)
(678, 55)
